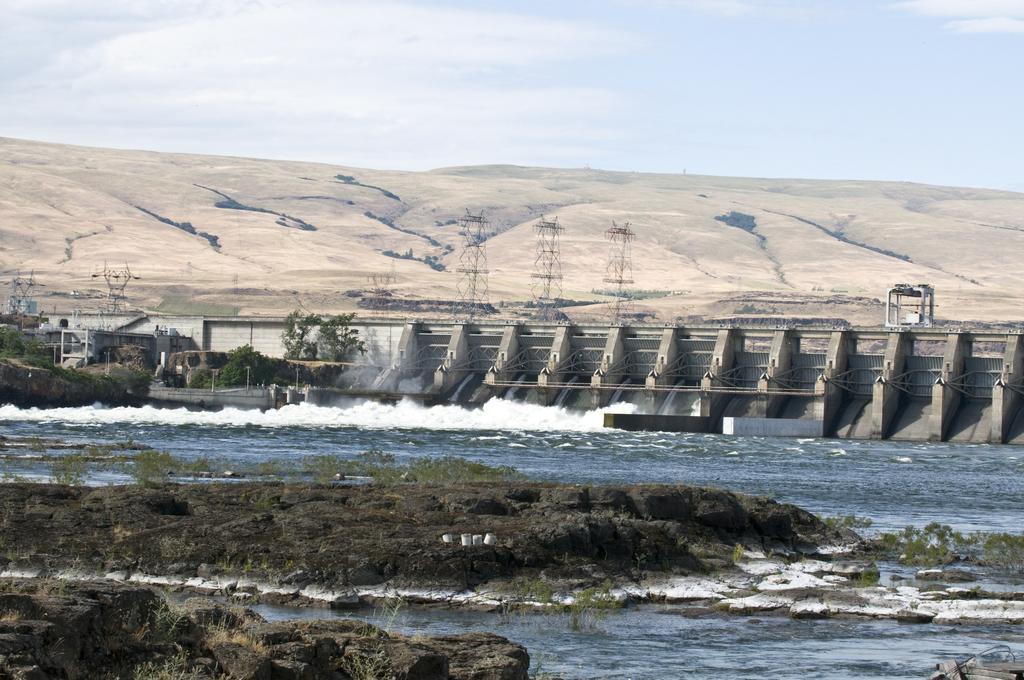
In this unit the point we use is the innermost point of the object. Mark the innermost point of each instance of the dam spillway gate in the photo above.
(915, 385)
(920, 384)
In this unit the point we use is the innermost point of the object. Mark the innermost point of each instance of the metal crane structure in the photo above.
(547, 268)
(472, 269)
(117, 279)
(619, 271)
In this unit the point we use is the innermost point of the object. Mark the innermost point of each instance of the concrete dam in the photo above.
(860, 383)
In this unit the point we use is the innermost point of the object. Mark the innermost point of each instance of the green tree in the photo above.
(337, 339)
(261, 368)
(297, 336)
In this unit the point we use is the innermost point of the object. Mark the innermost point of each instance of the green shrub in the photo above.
(869, 577)
(324, 469)
(200, 379)
(847, 522)
(524, 590)
(68, 470)
(592, 605)
(269, 468)
(261, 368)
(1004, 550)
(150, 468)
(937, 544)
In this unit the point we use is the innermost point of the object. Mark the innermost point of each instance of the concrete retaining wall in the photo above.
(253, 398)
(772, 427)
(638, 423)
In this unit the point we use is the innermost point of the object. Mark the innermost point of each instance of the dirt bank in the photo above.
(102, 630)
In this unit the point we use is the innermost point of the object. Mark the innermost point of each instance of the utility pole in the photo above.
(619, 271)
(547, 268)
(472, 269)
(117, 281)
(20, 303)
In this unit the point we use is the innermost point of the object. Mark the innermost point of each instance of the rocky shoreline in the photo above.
(101, 630)
(555, 547)
(28, 386)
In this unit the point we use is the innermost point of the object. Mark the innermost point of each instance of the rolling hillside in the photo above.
(237, 235)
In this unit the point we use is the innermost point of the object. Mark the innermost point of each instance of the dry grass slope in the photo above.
(218, 235)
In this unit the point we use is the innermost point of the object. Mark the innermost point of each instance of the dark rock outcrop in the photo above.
(85, 630)
(345, 536)
(28, 386)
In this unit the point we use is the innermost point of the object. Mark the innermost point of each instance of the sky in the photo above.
(911, 90)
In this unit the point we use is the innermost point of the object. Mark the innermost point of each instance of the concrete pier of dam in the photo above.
(861, 383)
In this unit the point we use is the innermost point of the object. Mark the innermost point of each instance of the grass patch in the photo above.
(587, 608)
(220, 635)
(840, 522)
(184, 304)
(176, 667)
(385, 470)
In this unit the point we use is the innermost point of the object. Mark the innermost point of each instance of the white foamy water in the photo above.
(496, 414)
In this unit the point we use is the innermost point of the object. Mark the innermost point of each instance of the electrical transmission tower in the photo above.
(547, 268)
(117, 281)
(619, 271)
(472, 289)
(382, 288)
(20, 301)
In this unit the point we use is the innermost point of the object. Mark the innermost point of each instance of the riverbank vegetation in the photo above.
(938, 544)
(72, 464)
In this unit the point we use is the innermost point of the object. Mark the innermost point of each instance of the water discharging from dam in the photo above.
(495, 414)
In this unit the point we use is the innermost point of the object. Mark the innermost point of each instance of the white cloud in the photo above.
(966, 8)
(992, 25)
(972, 16)
(726, 7)
(381, 83)
(739, 8)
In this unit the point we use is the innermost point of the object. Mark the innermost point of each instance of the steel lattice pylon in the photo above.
(20, 298)
(117, 281)
(382, 288)
(547, 268)
(619, 271)
(472, 269)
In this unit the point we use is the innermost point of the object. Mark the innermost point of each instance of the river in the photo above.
(971, 487)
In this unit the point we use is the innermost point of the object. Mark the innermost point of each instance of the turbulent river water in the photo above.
(971, 487)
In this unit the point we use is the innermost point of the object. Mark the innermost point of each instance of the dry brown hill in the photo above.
(270, 235)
